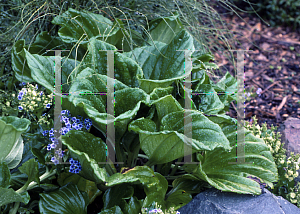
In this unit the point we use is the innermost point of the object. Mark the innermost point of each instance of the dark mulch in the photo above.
(278, 47)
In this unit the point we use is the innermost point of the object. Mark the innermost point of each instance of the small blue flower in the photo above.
(80, 126)
(20, 97)
(73, 119)
(21, 93)
(36, 86)
(87, 127)
(53, 139)
(51, 135)
(72, 167)
(44, 114)
(71, 170)
(20, 108)
(53, 146)
(45, 133)
(49, 147)
(41, 94)
(54, 160)
(23, 83)
(76, 171)
(48, 105)
(77, 121)
(71, 161)
(63, 112)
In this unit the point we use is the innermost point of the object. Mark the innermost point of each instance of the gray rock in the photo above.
(290, 132)
(213, 201)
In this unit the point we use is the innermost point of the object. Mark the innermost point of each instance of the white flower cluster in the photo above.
(30, 99)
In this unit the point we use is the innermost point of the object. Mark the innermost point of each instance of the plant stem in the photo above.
(28, 187)
(175, 167)
(15, 208)
(33, 183)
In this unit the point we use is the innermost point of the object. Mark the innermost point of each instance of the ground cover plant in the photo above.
(148, 120)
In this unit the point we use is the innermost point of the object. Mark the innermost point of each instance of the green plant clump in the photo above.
(287, 167)
(149, 119)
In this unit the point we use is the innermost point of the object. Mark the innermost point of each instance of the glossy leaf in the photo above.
(43, 73)
(30, 168)
(215, 170)
(162, 64)
(11, 142)
(165, 29)
(82, 26)
(68, 199)
(209, 100)
(83, 184)
(8, 196)
(154, 184)
(127, 100)
(88, 150)
(4, 176)
(126, 70)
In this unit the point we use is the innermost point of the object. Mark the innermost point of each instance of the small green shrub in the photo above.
(276, 12)
(287, 167)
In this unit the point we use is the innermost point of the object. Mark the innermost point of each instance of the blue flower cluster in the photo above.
(70, 124)
(75, 166)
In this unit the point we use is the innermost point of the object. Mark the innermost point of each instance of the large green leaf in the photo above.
(44, 42)
(209, 100)
(165, 29)
(215, 170)
(8, 196)
(88, 150)
(19, 63)
(11, 142)
(126, 70)
(30, 168)
(83, 184)
(161, 63)
(43, 73)
(127, 100)
(154, 184)
(82, 26)
(168, 144)
(31, 141)
(4, 175)
(68, 199)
